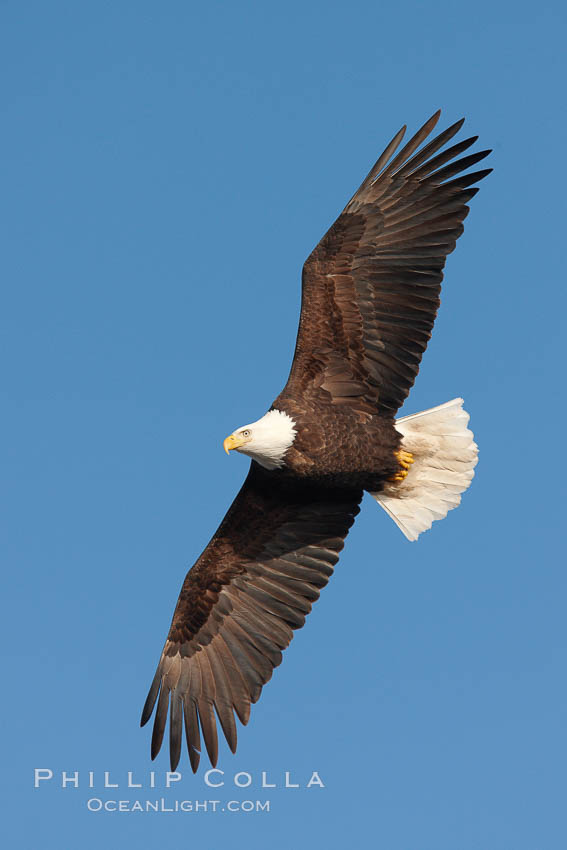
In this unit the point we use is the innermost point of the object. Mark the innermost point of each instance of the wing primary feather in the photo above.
(209, 727)
(192, 732)
(456, 167)
(241, 697)
(408, 218)
(160, 721)
(442, 158)
(175, 729)
(430, 148)
(381, 161)
(467, 179)
(413, 143)
(151, 698)
(223, 698)
(205, 704)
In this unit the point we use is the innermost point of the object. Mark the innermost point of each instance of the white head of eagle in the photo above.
(265, 441)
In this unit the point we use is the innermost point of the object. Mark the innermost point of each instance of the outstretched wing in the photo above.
(371, 286)
(254, 583)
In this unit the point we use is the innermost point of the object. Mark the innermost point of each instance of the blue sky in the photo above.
(167, 169)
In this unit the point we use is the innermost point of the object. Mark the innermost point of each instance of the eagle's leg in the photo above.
(405, 459)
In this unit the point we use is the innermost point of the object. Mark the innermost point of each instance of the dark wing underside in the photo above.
(371, 286)
(254, 583)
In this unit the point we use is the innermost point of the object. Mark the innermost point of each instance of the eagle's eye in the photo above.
(246, 433)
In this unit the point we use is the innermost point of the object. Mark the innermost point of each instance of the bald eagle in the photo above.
(370, 294)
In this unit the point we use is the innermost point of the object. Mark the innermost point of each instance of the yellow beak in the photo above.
(233, 442)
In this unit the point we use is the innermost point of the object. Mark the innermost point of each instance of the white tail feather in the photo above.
(445, 456)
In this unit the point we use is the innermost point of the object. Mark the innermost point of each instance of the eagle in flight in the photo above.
(370, 294)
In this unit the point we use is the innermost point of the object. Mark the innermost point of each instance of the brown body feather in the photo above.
(370, 297)
(340, 447)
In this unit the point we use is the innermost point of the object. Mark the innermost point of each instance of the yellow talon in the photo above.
(405, 459)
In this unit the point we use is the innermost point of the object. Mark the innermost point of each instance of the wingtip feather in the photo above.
(151, 699)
